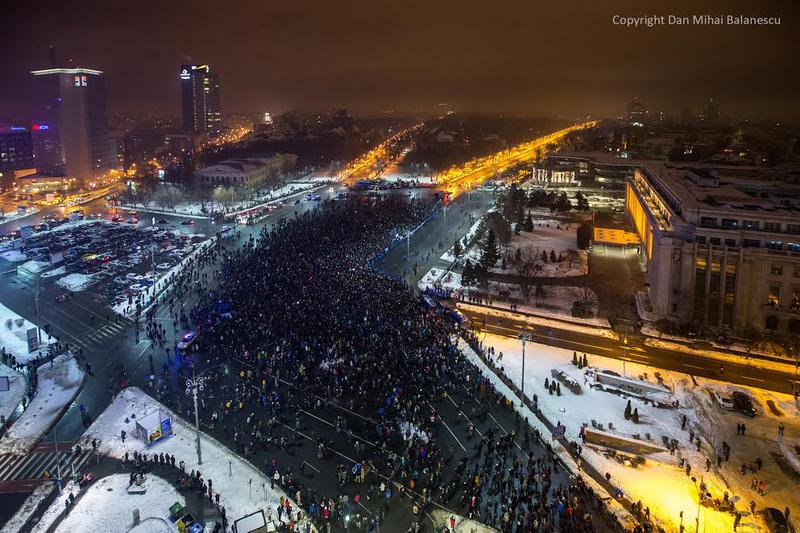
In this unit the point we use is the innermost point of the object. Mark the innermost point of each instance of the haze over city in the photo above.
(525, 58)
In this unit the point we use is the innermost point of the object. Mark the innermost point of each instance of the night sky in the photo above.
(521, 57)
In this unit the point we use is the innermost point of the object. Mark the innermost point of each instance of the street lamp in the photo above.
(192, 386)
(624, 355)
(524, 337)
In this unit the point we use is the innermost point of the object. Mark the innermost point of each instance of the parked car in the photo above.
(743, 404)
(187, 223)
(775, 520)
(164, 266)
(724, 401)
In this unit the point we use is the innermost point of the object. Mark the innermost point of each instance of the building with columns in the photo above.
(720, 245)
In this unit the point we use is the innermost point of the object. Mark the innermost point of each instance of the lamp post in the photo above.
(192, 386)
(524, 337)
(624, 355)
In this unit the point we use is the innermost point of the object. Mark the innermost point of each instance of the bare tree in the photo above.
(524, 263)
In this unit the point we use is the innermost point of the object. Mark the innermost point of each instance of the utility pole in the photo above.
(192, 386)
(524, 337)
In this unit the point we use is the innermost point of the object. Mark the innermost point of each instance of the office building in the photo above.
(200, 95)
(249, 173)
(721, 245)
(69, 130)
(16, 151)
(637, 112)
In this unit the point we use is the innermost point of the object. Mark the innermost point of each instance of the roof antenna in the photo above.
(53, 56)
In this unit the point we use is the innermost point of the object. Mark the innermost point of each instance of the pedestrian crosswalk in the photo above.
(102, 336)
(34, 465)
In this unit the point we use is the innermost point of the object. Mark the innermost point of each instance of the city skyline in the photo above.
(528, 59)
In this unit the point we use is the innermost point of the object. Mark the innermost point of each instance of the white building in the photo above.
(251, 173)
(721, 245)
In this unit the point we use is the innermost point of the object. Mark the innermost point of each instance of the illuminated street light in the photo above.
(192, 387)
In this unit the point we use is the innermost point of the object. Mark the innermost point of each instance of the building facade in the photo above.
(70, 130)
(200, 100)
(720, 250)
(16, 151)
(249, 173)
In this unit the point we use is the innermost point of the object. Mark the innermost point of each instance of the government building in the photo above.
(720, 245)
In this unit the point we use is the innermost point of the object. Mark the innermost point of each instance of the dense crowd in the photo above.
(302, 305)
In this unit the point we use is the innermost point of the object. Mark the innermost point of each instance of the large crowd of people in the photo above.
(300, 320)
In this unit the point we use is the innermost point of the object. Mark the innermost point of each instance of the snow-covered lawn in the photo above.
(10, 399)
(218, 461)
(677, 492)
(106, 502)
(15, 337)
(58, 385)
(550, 235)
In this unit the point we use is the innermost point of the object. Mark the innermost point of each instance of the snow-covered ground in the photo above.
(14, 256)
(60, 271)
(677, 492)
(554, 301)
(14, 335)
(545, 320)
(16, 215)
(58, 385)
(55, 510)
(10, 399)
(464, 241)
(195, 208)
(231, 474)
(106, 503)
(77, 282)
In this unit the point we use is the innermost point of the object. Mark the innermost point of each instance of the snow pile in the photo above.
(218, 461)
(14, 334)
(58, 385)
(14, 256)
(9, 400)
(106, 502)
(33, 266)
(789, 453)
(55, 272)
(77, 282)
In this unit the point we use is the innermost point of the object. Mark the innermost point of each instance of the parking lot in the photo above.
(119, 263)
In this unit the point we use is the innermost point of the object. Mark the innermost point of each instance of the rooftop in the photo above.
(699, 186)
(78, 70)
